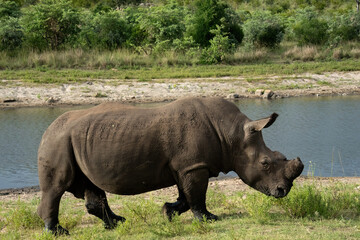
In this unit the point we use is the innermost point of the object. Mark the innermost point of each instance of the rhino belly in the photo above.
(125, 167)
(131, 180)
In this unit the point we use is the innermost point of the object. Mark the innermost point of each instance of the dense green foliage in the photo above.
(50, 24)
(308, 27)
(263, 30)
(209, 29)
(207, 16)
(107, 30)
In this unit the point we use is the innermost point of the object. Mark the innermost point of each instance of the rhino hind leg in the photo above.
(194, 185)
(97, 205)
(178, 207)
(48, 210)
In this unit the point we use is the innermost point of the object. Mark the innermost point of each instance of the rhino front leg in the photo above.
(194, 185)
(97, 205)
(178, 207)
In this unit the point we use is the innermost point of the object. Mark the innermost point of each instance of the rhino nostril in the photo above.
(280, 192)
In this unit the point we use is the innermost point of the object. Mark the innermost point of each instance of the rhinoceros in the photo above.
(128, 150)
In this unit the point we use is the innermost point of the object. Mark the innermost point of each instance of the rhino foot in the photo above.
(205, 216)
(57, 230)
(171, 209)
(112, 221)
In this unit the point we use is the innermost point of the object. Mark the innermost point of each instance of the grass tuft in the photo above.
(312, 202)
(201, 227)
(23, 217)
(305, 202)
(257, 206)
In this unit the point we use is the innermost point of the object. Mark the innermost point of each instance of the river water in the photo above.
(324, 132)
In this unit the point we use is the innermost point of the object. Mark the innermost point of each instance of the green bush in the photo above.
(208, 14)
(344, 27)
(104, 30)
(305, 202)
(9, 9)
(219, 47)
(162, 25)
(308, 28)
(312, 202)
(111, 3)
(11, 34)
(50, 24)
(263, 29)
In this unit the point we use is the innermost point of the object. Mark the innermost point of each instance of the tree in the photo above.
(162, 25)
(263, 29)
(11, 34)
(207, 16)
(9, 9)
(51, 24)
(309, 28)
(104, 30)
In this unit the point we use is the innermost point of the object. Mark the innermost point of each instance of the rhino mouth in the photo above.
(278, 192)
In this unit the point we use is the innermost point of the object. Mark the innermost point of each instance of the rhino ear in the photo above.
(257, 125)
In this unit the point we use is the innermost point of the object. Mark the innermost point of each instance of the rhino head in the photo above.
(267, 171)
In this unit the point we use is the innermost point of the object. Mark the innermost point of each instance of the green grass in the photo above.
(76, 65)
(146, 74)
(310, 211)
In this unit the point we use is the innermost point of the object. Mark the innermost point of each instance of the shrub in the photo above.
(9, 9)
(219, 47)
(311, 202)
(306, 201)
(263, 30)
(207, 16)
(137, 37)
(344, 27)
(308, 28)
(50, 24)
(104, 30)
(162, 25)
(11, 34)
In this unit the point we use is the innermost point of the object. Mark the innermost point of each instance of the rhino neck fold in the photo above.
(229, 136)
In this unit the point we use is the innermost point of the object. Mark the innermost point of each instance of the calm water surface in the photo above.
(324, 132)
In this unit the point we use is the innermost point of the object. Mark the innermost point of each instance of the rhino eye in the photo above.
(265, 163)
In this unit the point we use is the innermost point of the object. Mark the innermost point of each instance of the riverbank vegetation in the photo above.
(50, 74)
(134, 34)
(310, 211)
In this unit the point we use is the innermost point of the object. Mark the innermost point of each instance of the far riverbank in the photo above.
(16, 93)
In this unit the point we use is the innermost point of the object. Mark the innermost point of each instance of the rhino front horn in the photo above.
(294, 169)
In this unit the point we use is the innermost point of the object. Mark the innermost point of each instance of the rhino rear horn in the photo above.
(294, 168)
(257, 125)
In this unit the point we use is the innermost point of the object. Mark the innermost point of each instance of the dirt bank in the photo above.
(18, 94)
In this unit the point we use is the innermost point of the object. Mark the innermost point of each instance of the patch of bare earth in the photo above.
(159, 90)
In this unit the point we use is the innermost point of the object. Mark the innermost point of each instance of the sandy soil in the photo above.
(225, 185)
(18, 94)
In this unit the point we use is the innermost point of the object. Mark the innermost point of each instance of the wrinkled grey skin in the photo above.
(126, 150)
